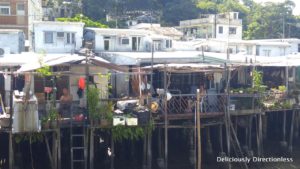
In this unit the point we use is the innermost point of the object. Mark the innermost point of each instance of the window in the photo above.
(235, 16)
(21, 9)
(220, 29)
(60, 34)
(70, 38)
(73, 38)
(168, 43)
(4, 9)
(232, 30)
(48, 37)
(125, 41)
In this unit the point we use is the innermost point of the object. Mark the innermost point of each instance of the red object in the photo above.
(81, 83)
(79, 117)
(48, 90)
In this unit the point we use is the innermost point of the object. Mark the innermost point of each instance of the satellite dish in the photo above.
(2, 52)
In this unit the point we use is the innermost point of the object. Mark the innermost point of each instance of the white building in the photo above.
(126, 40)
(58, 37)
(220, 26)
(264, 47)
(12, 41)
(158, 29)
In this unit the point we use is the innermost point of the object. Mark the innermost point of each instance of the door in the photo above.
(134, 44)
(106, 45)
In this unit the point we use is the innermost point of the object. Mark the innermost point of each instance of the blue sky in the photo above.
(297, 2)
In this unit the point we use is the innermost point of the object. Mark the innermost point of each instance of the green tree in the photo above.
(81, 18)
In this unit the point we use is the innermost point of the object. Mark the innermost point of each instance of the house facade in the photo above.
(220, 26)
(126, 40)
(58, 37)
(20, 14)
(12, 41)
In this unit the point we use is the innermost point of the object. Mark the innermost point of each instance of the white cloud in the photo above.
(297, 2)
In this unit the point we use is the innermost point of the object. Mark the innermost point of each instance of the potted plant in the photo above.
(53, 117)
(93, 105)
(106, 114)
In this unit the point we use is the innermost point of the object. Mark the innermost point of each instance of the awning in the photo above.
(186, 68)
(60, 59)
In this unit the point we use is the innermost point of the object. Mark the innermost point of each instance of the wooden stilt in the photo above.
(221, 138)
(145, 152)
(92, 148)
(49, 151)
(11, 151)
(112, 158)
(166, 118)
(198, 131)
(59, 149)
(149, 150)
(292, 132)
(54, 149)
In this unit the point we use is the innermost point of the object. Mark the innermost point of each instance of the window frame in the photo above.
(5, 6)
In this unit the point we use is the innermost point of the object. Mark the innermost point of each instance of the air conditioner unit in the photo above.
(4, 51)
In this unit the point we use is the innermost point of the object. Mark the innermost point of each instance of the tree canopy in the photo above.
(260, 21)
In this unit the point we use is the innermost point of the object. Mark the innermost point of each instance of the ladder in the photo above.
(78, 144)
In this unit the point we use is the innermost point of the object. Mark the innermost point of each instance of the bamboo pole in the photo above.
(198, 130)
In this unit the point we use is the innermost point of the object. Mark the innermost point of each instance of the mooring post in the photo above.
(198, 130)
(92, 148)
(11, 151)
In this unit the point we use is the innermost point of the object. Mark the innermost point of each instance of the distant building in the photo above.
(263, 47)
(20, 14)
(12, 41)
(126, 40)
(156, 28)
(57, 9)
(219, 26)
(58, 37)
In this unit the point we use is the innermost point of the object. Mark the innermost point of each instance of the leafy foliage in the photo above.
(81, 18)
(120, 133)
